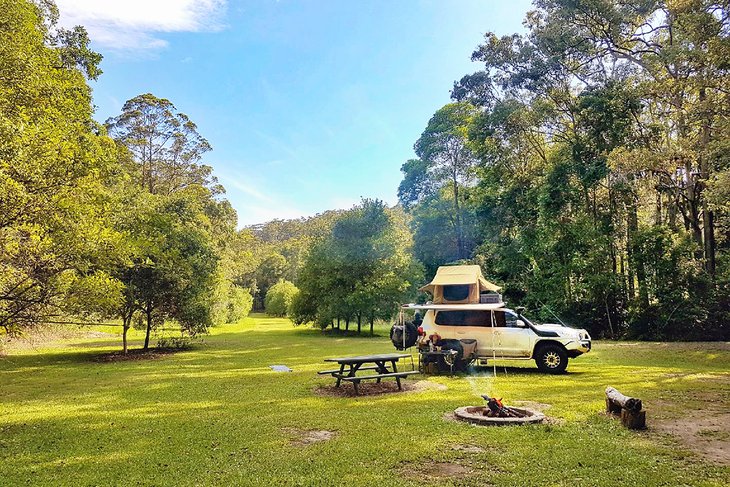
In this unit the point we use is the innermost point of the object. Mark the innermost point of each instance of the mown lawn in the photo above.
(217, 415)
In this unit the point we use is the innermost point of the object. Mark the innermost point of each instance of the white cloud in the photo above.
(134, 24)
(246, 188)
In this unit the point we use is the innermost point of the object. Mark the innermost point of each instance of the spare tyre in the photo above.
(411, 335)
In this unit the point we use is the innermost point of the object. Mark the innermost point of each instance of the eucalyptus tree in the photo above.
(164, 143)
(445, 160)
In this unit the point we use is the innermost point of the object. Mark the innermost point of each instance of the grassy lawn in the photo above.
(217, 415)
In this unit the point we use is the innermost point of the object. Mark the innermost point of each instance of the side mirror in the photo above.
(520, 324)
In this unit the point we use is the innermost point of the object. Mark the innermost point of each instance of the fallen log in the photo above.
(629, 408)
(617, 399)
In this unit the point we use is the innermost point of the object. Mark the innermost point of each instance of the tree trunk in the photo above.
(709, 234)
(371, 325)
(460, 251)
(347, 324)
(125, 324)
(708, 218)
(148, 312)
(638, 265)
(359, 322)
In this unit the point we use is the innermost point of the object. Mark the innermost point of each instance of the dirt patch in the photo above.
(99, 334)
(308, 437)
(135, 354)
(706, 433)
(473, 449)
(435, 471)
(370, 388)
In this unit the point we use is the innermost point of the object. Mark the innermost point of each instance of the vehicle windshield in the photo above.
(524, 318)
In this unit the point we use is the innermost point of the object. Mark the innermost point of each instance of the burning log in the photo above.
(629, 408)
(496, 409)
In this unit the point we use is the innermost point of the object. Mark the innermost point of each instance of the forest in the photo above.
(584, 166)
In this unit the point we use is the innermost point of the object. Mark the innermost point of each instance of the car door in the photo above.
(463, 325)
(510, 339)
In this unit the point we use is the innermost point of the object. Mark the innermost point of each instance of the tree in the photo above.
(54, 162)
(279, 298)
(601, 144)
(165, 145)
(174, 274)
(445, 159)
(361, 271)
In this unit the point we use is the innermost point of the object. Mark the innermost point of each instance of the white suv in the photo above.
(501, 333)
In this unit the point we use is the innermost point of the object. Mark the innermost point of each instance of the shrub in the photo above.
(279, 298)
(240, 303)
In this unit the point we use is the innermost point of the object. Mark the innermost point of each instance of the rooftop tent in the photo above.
(458, 284)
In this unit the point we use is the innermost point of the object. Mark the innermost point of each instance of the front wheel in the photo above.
(551, 358)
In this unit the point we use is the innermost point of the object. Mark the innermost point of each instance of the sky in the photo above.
(308, 105)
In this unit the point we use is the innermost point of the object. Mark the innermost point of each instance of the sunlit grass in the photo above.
(217, 415)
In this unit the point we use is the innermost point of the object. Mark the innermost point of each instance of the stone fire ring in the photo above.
(475, 415)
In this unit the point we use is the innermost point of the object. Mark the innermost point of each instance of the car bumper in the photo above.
(578, 347)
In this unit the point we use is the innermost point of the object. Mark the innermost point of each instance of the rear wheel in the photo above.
(551, 358)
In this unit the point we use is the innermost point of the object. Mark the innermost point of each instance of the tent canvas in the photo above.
(459, 275)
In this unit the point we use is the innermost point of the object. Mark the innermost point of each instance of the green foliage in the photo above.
(277, 250)
(240, 303)
(55, 209)
(598, 195)
(446, 163)
(164, 143)
(362, 271)
(279, 298)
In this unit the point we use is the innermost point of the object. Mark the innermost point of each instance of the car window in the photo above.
(457, 292)
(510, 319)
(464, 318)
(499, 319)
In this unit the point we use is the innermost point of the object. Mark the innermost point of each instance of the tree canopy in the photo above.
(599, 137)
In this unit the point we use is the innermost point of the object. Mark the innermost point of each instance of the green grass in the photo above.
(217, 415)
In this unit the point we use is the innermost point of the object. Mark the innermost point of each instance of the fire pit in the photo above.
(496, 413)
(475, 415)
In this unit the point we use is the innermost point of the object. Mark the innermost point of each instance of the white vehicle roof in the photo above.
(457, 307)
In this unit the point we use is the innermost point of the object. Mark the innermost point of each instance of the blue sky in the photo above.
(309, 105)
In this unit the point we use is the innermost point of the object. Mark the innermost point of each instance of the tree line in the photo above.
(585, 166)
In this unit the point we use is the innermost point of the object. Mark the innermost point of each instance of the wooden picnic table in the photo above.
(358, 363)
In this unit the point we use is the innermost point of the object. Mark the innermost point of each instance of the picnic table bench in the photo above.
(350, 366)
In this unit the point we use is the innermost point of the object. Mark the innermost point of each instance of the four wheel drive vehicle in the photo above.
(467, 308)
(501, 333)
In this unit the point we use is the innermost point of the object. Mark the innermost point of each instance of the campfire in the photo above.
(495, 409)
(496, 413)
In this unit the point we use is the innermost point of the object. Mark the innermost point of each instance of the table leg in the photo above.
(342, 370)
(353, 369)
(382, 369)
(397, 379)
